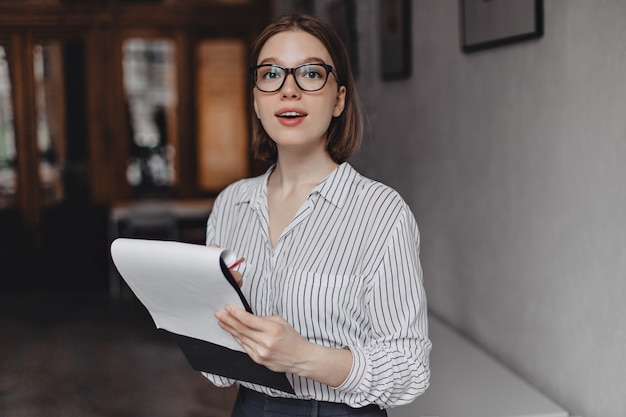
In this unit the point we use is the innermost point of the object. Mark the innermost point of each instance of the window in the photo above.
(150, 87)
(50, 118)
(222, 117)
(7, 136)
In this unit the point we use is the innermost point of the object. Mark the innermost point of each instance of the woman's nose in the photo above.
(290, 87)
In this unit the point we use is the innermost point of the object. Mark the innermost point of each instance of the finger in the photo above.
(238, 277)
(233, 320)
(246, 319)
(242, 334)
(226, 322)
(240, 338)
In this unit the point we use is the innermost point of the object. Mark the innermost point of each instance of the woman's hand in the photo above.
(272, 342)
(237, 276)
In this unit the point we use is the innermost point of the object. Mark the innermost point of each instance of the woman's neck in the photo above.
(293, 172)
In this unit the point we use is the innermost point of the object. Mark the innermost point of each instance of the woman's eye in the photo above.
(271, 74)
(310, 72)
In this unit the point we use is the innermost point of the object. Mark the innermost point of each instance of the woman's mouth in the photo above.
(290, 117)
(290, 114)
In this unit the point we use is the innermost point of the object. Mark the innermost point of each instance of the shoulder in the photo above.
(378, 196)
(385, 219)
(386, 208)
(242, 188)
(240, 191)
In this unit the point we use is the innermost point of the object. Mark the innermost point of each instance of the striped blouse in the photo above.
(345, 273)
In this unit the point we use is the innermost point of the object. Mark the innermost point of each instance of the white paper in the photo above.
(181, 285)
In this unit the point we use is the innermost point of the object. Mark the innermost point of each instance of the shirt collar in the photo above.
(337, 186)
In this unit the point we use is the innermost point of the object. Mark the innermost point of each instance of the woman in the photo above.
(332, 266)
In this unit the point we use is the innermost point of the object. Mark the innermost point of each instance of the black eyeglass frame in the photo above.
(329, 70)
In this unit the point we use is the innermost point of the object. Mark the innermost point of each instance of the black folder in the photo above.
(138, 260)
(219, 360)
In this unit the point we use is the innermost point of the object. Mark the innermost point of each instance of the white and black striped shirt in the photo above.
(345, 272)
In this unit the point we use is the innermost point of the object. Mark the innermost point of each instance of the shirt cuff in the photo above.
(218, 381)
(357, 372)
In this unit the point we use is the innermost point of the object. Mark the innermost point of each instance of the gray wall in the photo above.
(514, 162)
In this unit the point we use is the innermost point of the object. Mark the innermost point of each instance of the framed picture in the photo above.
(395, 39)
(490, 23)
(342, 16)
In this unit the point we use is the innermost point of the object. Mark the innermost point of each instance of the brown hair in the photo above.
(345, 132)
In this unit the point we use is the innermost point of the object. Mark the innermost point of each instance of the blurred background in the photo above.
(127, 117)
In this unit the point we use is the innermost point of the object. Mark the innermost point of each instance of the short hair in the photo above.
(345, 132)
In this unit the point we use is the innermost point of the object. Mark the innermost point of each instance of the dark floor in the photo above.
(83, 355)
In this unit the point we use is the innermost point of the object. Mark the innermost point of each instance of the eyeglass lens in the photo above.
(309, 77)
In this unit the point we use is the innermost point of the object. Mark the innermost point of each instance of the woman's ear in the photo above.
(341, 101)
(256, 110)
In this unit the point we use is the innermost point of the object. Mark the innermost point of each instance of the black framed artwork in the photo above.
(395, 39)
(491, 23)
(342, 16)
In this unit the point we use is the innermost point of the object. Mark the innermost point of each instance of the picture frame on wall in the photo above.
(395, 39)
(341, 14)
(492, 23)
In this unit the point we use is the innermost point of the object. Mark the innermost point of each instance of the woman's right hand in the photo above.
(236, 274)
(238, 277)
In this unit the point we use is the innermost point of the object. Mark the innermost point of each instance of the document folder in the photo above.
(182, 285)
(219, 360)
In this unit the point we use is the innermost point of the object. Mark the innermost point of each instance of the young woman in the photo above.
(332, 266)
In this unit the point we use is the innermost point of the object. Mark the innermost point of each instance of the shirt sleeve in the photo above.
(393, 367)
(211, 222)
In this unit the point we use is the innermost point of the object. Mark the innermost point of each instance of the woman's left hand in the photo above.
(270, 341)
(273, 342)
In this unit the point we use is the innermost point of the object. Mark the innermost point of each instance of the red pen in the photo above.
(237, 263)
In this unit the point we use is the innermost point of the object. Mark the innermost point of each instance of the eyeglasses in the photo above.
(270, 78)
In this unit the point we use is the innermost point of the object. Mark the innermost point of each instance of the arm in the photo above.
(217, 380)
(392, 368)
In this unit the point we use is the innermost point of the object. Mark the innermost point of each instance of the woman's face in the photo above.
(297, 120)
